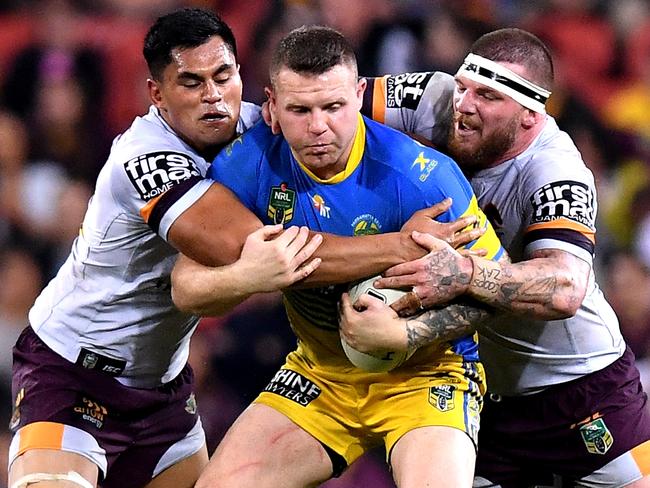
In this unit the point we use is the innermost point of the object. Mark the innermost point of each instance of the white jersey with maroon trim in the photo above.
(545, 198)
(111, 298)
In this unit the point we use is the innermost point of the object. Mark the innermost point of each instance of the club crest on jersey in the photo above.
(365, 225)
(282, 201)
(442, 397)
(154, 173)
(596, 436)
(424, 165)
(406, 90)
(564, 199)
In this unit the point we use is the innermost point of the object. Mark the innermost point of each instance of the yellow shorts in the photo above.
(351, 411)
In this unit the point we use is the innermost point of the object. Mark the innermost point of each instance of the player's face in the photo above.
(318, 115)
(487, 128)
(200, 94)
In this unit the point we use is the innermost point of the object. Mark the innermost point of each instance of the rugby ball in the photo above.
(380, 361)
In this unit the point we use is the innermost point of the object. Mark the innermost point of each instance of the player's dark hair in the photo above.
(184, 28)
(520, 47)
(312, 50)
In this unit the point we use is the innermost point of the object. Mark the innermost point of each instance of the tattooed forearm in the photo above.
(551, 285)
(445, 274)
(444, 324)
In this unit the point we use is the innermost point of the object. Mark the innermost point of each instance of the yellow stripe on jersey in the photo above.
(489, 240)
(358, 146)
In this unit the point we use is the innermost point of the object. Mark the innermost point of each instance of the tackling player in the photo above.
(565, 402)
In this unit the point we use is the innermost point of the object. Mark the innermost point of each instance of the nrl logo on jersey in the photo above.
(564, 199)
(406, 90)
(282, 201)
(154, 173)
(596, 436)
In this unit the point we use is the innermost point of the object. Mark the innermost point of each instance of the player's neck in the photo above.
(522, 142)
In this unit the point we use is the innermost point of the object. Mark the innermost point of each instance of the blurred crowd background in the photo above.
(72, 77)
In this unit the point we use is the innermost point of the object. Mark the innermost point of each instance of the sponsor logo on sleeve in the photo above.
(406, 90)
(424, 165)
(293, 386)
(564, 199)
(154, 173)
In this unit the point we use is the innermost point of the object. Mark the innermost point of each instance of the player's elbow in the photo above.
(574, 289)
(182, 300)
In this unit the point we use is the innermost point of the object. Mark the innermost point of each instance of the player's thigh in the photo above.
(642, 483)
(183, 474)
(434, 457)
(33, 463)
(264, 449)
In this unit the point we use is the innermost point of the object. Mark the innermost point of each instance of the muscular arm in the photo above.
(444, 324)
(550, 285)
(270, 260)
(376, 326)
(213, 230)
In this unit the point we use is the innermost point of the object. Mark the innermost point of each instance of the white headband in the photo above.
(509, 83)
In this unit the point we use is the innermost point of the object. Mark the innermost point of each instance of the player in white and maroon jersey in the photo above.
(103, 392)
(565, 403)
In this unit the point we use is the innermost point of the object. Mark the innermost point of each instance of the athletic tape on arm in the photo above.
(33, 478)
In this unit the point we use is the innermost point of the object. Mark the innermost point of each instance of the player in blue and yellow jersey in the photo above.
(337, 172)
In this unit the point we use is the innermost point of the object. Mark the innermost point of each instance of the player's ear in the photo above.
(362, 84)
(270, 96)
(531, 119)
(155, 94)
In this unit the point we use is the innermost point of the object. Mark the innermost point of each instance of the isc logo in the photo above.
(154, 173)
(567, 199)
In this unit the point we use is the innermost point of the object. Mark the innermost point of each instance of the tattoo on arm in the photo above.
(444, 272)
(551, 284)
(444, 324)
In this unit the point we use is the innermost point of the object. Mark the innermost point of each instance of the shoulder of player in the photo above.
(402, 152)
(252, 144)
(147, 137)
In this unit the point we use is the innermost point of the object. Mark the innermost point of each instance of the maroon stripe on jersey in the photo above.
(168, 199)
(567, 235)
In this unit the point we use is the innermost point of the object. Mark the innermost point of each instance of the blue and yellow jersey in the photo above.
(387, 178)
